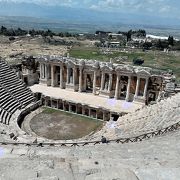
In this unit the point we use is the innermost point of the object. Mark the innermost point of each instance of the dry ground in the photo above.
(13, 51)
(58, 125)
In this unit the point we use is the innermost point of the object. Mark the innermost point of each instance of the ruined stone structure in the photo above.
(126, 155)
(130, 83)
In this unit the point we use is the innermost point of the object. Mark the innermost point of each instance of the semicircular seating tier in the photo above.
(14, 95)
(146, 120)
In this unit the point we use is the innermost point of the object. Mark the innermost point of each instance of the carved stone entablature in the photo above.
(143, 73)
(70, 64)
(125, 70)
(107, 67)
(81, 63)
(56, 61)
(96, 65)
(88, 70)
(93, 65)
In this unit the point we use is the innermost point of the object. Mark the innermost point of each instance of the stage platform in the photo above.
(111, 104)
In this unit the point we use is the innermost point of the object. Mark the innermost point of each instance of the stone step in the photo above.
(45, 178)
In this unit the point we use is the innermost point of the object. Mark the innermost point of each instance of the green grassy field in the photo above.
(154, 59)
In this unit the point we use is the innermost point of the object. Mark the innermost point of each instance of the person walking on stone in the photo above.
(103, 139)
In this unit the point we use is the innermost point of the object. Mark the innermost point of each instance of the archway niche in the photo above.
(86, 111)
(141, 87)
(70, 76)
(106, 82)
(89, 83)
(60, 106)
(93, 113)
(79, 109)
(100, 114)
(73, 108)
(66, 106)
(123, 87)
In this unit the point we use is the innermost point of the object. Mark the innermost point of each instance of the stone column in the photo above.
(137, 87)
(67, 75)
(42, 71)
(94, 82)
(63, 102)
(96, 113)
(145, 88)
(70, 107)
(80, 79)
(45, 101)
(110, 83)
(102, 81)
(76, 109)
(104, 115)
(74, 78)
(117, 87)
(85, 81)
(46, 73)
(40, 66)
(57, 104)
(128, 88)
(52, 76)
(83, 110)
(61, 76)
(89, 112)
(51, 102)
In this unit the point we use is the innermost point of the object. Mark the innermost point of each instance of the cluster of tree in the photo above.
(139, 33)
(171, 40)
(20, 32)
(138, 61)
(160, 44)
(12, 32)
(130, 33)
(102, 32)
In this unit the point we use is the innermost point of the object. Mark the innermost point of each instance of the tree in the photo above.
(147, 45)
(129, 34)
(3, 30)
(171, 40)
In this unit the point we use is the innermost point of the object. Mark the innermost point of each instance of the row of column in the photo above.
(44, 71)
(118, 88)
(80, 109)
(61, 76)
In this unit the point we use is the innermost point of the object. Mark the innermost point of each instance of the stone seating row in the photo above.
(7, 101)
(5, 116)
(155, 109)
(11, 82)
(14, 94)
(151, 118)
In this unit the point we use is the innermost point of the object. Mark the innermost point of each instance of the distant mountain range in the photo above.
(29, 15)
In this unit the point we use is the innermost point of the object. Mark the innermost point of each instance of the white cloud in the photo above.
(161, 7)
(157, 6)
(45, 2)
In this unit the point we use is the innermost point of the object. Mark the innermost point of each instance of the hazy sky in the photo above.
(162, 8)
